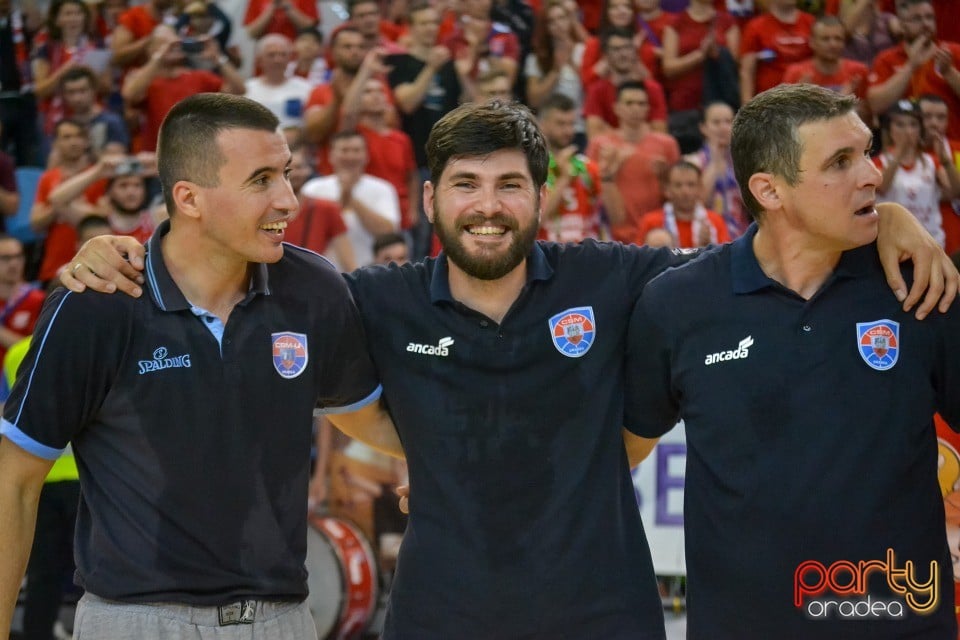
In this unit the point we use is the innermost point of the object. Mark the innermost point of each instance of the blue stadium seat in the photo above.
(19, 225)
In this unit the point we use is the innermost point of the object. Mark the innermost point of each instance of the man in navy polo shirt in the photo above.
(502, 366)
(812, 507)
(189, 410)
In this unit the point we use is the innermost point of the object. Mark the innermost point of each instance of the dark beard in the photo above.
(119, 208)
(486, 268)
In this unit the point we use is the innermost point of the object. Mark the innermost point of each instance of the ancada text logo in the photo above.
(842, 590)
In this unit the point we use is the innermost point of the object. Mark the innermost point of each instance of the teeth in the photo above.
(274, 226)
(487, 231)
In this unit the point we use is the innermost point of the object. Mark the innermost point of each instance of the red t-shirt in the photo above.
(142, 232)
(61, 242)
(500, 44)
(20, 312)
(279, 22)
(577, 217)
(685, 240)
(139, 21)
(391, 158)
(602, 95)
(165, 92)
(777, 45)
(926, 79)
(592, 52)
(851, 74)
(318, 222)
(686, 91)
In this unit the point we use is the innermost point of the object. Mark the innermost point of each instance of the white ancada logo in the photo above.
(162, 361)
(741, 352)
(442, 348)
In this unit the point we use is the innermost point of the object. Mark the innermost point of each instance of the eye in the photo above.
(842, 162)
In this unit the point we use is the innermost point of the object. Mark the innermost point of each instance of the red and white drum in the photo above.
(342, 577)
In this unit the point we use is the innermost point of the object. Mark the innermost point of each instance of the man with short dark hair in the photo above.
(808, 397)
(189, 410)
(936, 120)
(501, 361)
(106, 130)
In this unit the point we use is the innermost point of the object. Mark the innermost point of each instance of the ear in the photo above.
(186, 198)
(763, 186)
(428, 200)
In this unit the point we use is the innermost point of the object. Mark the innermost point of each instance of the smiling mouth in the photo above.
(485, 230)
(274, 227)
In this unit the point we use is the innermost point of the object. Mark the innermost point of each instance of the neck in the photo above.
(214, 282)
(826, 67)
(683, 214)
(794, 260)
(634, 133)
(784, 14)
(492, 298)
(7, 289)
(275, 79)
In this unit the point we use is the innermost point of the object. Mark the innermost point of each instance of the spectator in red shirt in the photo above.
(827, 68)
(621, 14)
(683, 214)
(19, 302)
(135, 26)
(285, 17)
(166, 80)
(919, 65)
(870, 25)
(771, 42)
(365, 17)
(624, 66)
(479, 44)
(936, 117)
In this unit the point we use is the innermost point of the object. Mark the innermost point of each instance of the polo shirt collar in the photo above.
(165, 292)
(538, 268)
(749, 277)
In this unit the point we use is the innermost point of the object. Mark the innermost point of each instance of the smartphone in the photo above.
(191, 45)
(129, 167)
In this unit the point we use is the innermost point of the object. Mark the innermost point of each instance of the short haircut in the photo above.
(931, 97)
(272, 38)
(478, 129)
(710, 105)
(347, 134)
(557, 102)
(614, 32)
(632, 85)
(79, 73)
(352, 4)
(386, 240)
(311, 32)
(69, 121)
(828, 20)
(765, 136)
(344, 28)
(684, 165)
(187, 146)
(92, 221)
(419, 5)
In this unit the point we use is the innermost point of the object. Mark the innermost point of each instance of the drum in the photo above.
(342, 577)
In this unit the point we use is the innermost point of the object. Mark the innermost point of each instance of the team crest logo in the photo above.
(573, 331)
(879, 343)
(289, 353)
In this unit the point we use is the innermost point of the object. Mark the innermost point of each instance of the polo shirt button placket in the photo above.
(807, 328)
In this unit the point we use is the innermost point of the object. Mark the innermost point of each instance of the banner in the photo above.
(658, 482)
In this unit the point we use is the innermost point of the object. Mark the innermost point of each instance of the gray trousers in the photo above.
(99, 619)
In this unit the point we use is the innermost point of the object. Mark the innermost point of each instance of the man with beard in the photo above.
(500, 364)
(919, 65)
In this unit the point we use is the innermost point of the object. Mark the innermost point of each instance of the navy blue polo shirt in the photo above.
(523, 519)
(192, 440)
(811, 448)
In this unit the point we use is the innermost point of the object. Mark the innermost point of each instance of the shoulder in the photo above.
(303, 270)
(702, 273)
(376, 284)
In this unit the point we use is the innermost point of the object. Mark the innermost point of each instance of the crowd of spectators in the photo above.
(636, 98)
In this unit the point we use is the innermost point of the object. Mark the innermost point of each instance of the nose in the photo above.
(872, 175)
(286, 199)
(488, 200)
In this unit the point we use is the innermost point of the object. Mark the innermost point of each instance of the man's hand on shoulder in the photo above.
(105, 264)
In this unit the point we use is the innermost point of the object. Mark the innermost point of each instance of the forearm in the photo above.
(888, 174)
(637, 448)
(612, 201)
(410, 95)
(748, 71)
(852, 13)
(45, 81)
(882, 96)
(299, 19)
(952, 76)
(72, 188)
(538, 89)
(259, 25)
(551, 208)
(952, 179)
(9, 202)
(343, 251)
(137, 82)
(320, 121)
(373, 222)
(41, 216)
(350, 107)
(232, 79)
(126, 50)
(372, 426)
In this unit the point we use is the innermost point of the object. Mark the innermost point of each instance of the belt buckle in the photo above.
(243, 612)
